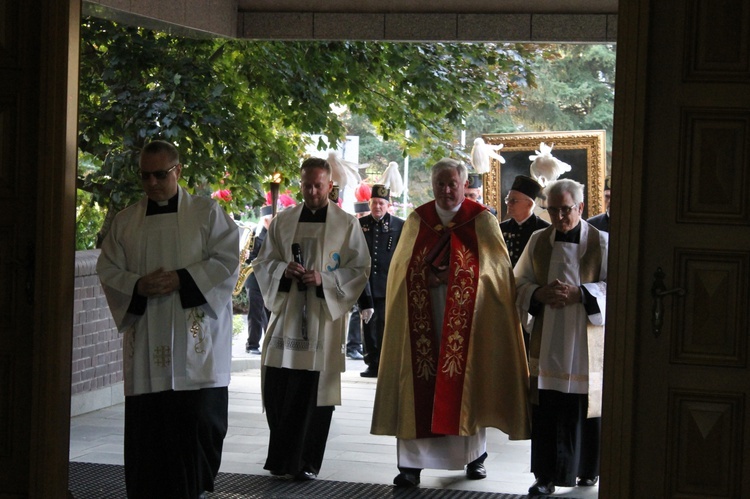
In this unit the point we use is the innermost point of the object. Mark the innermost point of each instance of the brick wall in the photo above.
(96, 369)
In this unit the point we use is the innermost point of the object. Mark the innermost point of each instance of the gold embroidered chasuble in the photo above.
(474, 373)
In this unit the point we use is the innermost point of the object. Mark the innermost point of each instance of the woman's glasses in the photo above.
(158, 174)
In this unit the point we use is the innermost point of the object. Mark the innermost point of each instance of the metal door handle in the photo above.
(658, 292)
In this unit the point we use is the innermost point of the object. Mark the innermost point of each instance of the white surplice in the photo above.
(338, 251)
(563, 363)
(171, 348)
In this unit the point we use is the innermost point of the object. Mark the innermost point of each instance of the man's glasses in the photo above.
(158, 174)
(563, 210)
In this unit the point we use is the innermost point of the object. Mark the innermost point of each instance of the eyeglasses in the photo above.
(563, 210)
(158, 174)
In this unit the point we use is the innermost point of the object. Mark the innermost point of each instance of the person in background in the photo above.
(474, 191)
(562, 292)
(521, 221)
(311, 269)
(354, 336)
(168, 267)
(452, 361)
(601, 221)
(257, 313)
(382, 231)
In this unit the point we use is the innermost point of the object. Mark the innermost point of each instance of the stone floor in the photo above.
(352, 454)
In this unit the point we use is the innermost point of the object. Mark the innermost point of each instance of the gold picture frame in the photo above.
(584, 150)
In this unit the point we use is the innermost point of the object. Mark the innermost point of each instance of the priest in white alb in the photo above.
(562, 291)
(311, 269)
(168, 266)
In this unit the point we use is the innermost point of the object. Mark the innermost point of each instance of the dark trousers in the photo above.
(354, 334)
(372, 334)
(257, 315)
(564, 443)
(173, 442)
(299, 428)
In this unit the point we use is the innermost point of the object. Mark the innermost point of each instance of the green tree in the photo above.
(239, 110)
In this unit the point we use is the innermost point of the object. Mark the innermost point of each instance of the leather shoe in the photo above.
(305, 475)
(587, 482)
(542, 487)
(354, 355)
(406, 479)
(254, 351)
(476, 471)
(369, 373)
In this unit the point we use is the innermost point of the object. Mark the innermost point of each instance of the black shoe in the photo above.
(305, 475)
(354, 355)
(587, 482)
(406, 478)
(542, 487)
(247, 346)
(476, 471)
(369, 373)
(277, 473)
(254, 351)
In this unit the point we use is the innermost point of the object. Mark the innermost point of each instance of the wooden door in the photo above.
(677, 416)
(38, 108)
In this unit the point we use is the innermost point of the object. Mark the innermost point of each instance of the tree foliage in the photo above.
(240, 110)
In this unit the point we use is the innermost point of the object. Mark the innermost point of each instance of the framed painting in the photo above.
(584, 151)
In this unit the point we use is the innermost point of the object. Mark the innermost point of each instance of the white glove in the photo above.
(366, 314)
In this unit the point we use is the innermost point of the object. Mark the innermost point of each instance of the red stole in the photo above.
(438, 371)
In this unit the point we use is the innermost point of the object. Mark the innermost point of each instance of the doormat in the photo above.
(107, 481)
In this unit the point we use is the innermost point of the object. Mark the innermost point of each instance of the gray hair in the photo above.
(450, 164)
(558, 187)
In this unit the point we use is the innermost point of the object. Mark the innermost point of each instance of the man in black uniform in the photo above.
(521, 222)
(382, 231)
(257, 313)
(601, 221)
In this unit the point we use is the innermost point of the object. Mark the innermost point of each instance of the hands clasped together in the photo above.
(159, 282)
(558, 294)
(296, 271)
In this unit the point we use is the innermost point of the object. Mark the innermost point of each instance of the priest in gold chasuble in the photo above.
(453, 360)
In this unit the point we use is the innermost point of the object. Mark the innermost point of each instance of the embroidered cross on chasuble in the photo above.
(439, 357)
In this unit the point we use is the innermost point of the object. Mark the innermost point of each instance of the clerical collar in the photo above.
(317, 216)
(572, 236)
(159, 207)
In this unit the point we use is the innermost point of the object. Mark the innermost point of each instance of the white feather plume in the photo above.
(546, 168)
(392, 179)
(481, 154)
(344, 172)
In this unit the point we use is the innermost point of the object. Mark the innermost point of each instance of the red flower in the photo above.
(223, 195)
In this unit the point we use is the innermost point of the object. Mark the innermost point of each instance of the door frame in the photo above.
(56, 142)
